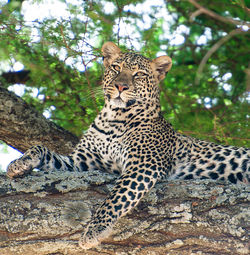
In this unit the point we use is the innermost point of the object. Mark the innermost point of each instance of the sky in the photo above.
(57, 9)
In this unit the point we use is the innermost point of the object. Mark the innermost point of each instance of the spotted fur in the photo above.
(130, 137)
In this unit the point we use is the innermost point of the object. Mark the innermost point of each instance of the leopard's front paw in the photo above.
(93, 236)
(18, 167)
(24, 165)
(86, 242)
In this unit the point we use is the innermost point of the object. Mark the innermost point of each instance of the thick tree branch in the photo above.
(45, 214)
(21, 126)
(16, 77)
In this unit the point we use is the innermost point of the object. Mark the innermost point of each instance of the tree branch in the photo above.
(215, 15)
(21, 126)
(45, 214)
(16, 77)
(214, 48)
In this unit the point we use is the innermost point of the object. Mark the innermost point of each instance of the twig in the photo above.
(119, 20)
(195, 14)
(63, 37)
(85, 71)
(89, 85)
(214, 48)
(247, 72)
(168, 99)
(187, 132)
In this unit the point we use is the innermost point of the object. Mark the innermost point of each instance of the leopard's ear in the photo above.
(162, 65)
(109, 52)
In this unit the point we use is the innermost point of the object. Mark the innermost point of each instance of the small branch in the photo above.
(247, 72)
(214, 48)
(168, 99)
(186, 132)
(85, 67)
(64, 40)
(119, 20)
(195, 14)
(89, 85)
(215, 15)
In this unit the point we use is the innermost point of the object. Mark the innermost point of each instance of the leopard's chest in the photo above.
(109, 146)
(113, 159)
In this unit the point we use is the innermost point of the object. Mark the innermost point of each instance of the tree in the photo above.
(205, 95)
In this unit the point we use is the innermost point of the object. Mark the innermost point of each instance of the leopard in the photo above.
(131, 138)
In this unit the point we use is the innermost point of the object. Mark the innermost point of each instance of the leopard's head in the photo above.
(130, 78)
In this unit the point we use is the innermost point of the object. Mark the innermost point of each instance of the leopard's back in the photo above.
(197, 159)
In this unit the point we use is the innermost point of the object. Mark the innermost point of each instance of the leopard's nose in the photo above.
(121, 87)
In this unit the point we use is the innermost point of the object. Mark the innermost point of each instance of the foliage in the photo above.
(63, 56)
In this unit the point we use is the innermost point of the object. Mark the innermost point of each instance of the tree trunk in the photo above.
(45, 214)
(21, 126)
(16, 77)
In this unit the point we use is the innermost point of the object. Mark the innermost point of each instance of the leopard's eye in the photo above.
(140, 75)
(116, 68)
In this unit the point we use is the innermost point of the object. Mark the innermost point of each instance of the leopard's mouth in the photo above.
(118, 102)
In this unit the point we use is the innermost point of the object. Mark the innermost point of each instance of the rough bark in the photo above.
(45, 214)
(21, 126)
(16, 77)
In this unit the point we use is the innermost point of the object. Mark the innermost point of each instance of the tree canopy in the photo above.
(206, 94)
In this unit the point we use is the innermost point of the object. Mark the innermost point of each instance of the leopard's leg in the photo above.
(39, 157)
(127, 193)
(81, 159)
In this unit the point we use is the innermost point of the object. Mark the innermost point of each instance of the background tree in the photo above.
(204, 95)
